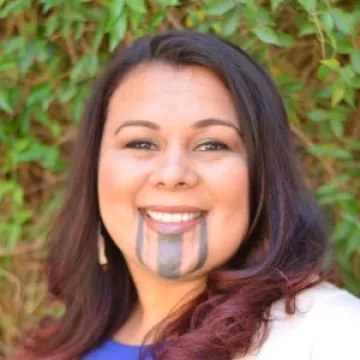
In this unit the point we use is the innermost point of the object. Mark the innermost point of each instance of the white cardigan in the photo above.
(326, 326)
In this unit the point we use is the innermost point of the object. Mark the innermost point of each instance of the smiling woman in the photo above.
(184, 175)
(186, 179)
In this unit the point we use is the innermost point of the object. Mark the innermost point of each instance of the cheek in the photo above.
(117, 193)
(111, 183)
(119, 181)
(236, 189)
(229, 185)
(230, 220)
(234, 192)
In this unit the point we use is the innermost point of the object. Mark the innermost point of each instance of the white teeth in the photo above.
(167, 217)
(185, 217)
(172, 217)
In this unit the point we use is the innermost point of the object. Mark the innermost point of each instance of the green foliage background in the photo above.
(50, 52)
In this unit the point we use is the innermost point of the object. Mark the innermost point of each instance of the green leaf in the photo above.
(347, 74)
(343, 44)
(336, 198)
(23, 215)
(6, 187)
(137, 6)
(328, 188)
(325, 189)
(355, 145)
(284, 39)
(355, 61)
(318, 115)
(135, 19)
(52, 24)
(327, 22)
(5, 102)
(220, 7)
(84, 68)
(307, 28)
(340, 113)
(350, 97)
(257, 16)
(33, 152)
(292, 87)
(79, 29)
(323, 72)
(14, 7)
(342, 230)
(67, 92)
(39, 94)
(24, 120)
(331, 63)
(118, 31)
(98, 36)
(308, 5)
(7, 65)
(275, 4)
(156, 20)
(166, 3)
(78, 104)
(13, 45)
(14, 234)
(353, 242)
(344, 21)
(337, 127)
(266, 35)
(117, 7)
(18, 196)
(230, 23)
(355, 82)
(50, 158)
(338, 92)
(322, 93)
(330, 150)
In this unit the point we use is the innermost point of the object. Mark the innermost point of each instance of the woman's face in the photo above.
(173, 179)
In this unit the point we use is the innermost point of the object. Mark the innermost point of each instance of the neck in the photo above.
(157, 299)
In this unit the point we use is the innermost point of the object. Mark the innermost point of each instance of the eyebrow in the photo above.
(198, 124)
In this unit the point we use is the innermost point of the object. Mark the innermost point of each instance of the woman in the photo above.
(184, 173)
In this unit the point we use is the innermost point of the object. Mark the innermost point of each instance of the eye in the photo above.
(212, 145)
(141, 145)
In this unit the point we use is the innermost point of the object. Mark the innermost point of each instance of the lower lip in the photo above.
(171, 228)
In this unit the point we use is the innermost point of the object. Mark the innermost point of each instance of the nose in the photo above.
(173, 172)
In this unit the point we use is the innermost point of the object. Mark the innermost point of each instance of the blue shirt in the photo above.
(113, 350)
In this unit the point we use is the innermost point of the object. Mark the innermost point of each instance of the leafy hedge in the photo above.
(50, 52)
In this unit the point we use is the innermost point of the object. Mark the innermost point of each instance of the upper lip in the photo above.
(173, 208)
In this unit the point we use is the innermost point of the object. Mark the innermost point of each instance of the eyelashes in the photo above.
(210, 145)
(141, 145)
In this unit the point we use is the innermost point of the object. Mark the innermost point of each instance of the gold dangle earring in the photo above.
(101, 251)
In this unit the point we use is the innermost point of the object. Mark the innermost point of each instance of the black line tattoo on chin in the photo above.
(170, 250)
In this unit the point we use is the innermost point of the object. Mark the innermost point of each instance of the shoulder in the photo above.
(335, 319)
(326, 323)
(318, 302)
(327, 304)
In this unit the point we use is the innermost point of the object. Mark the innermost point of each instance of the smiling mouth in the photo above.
(172, 222)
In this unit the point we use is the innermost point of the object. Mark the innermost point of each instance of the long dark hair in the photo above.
(283, 252)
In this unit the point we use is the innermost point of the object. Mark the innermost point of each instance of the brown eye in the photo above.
(141, 145)
(212, 146)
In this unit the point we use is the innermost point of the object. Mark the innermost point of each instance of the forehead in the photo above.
(156, 91)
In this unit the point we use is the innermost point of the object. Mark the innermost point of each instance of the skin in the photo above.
(169, 255)
(181, 162)
(170, 248)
